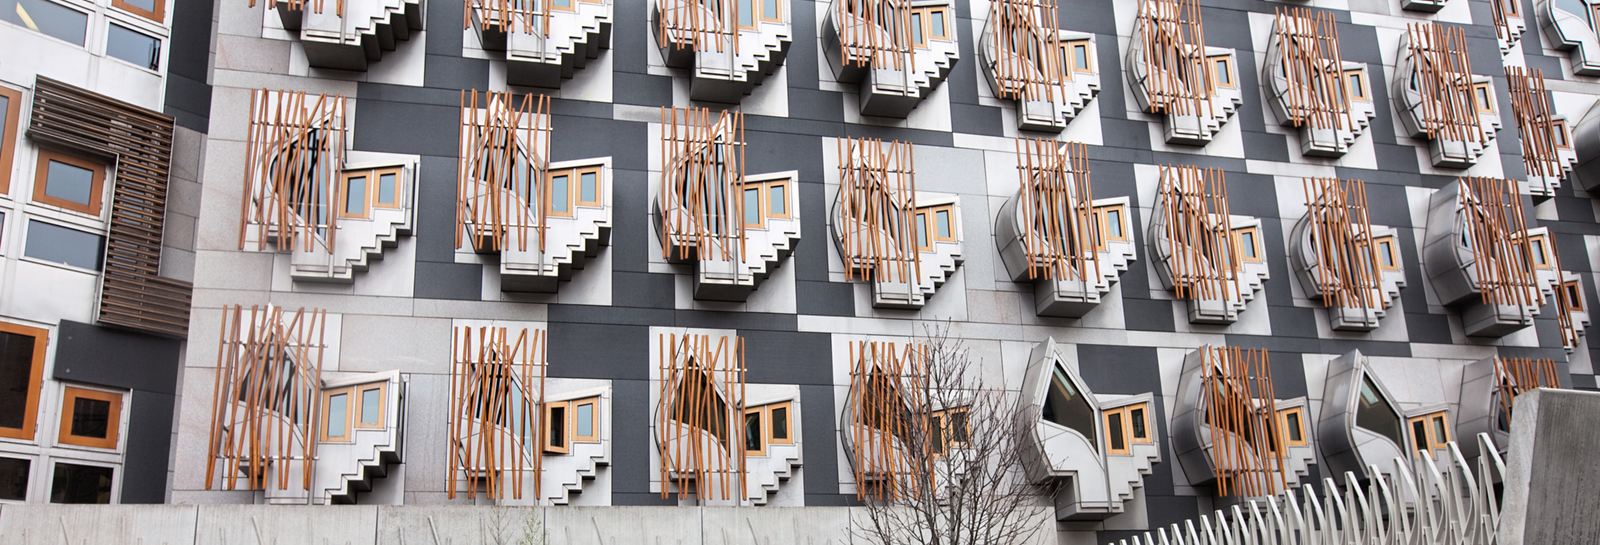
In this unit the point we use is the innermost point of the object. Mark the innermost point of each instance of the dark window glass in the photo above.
(90, 417)
(131, 46)
(69, 183)
(558, 421)
(1114, 432)
(1440, 434)
(699, 404)
(780, 423)
(14, 479)
(1136, 418)
(937, 425)
(56, 244)
(1419, 434)
(1066, 406)
(48, 18)
(2, 214)
(1292, 421)
(958, 427)
(752, 431)
(1375, 414)
(74, 483)
(16, 378)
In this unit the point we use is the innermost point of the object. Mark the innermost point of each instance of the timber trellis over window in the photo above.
(874, 33)
(1204, 252)
(889, 430)
(1443, 78)
(296, 151)
(1057, 210)
(879, 236)
(1516, 376)
(496, 396)
(1497, 236)
(700, 25)
(702, 181)
(1181, 81)
(265, 408)
(1030, 63)
(700, 422)
(1317, 95)
(508, 16)
(1341, 234)
(503, 192)
(1566, 298)
(1541, 132)
(1247, 447)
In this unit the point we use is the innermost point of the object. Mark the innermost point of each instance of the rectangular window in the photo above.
(336, 415)
(778, 200)
(752, 207)
(1484, 97)
(388, 195)
(1358, 85)
(10, 109)
(1293, 422)
(1539, 258)
(370, 411)
(57, 244)
(355, 194)
(917, 37)
(747, 14)
(133, 46)
(585, 420)
(14, 473)
(48, 18)
(154, 10)
(560, 192)
(770, 11)
(936, 24)
(942, 226)
(1574, 296)
(562, 5)
(1224, 71)
(21, 369)
(950, 429)
(1139, 423)
(589, 187)
(69, 182)
(1386, 254)
(1116, 435)
(555, 427)
(1080, 56)
(76, 483)
(1430, 432)
(1111, 223)
(1249, 246)
(1558, 134)
(90, 418)
(923, 244)
(779, 424)
(755, 436)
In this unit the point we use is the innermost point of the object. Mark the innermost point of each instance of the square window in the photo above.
(48, 18)
(14, 473)
(133, 46)
(154, 10)
(76, 483)
(57, 244)
(10, 109)
(90, 418)
(69, 182)
(21, 368)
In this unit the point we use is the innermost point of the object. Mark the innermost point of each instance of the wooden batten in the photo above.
(888, 396)
(502, 186)
(1342, 238)
(1309, 44)
(863, 38)
(496, 399)
(1502, 251)
(1516, 376)
(1031, 70)
(878, 210)
(700, 25)
(1536, 124)
(702, 392)
(1204, 254)
(508, 15)
(1181, 80)
(266, 405)
(1056, 210)
(702, 181)
(1237, 391)
(1444, 81)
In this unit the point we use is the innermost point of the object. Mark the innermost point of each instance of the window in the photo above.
(133, 46)
(780, 426)
(1126, 426)
(336, 415)
(747, 14)
(76, 483)
(555, 427)
(771, 12)
(10, 108)
(949, 428)
(1224, 71)
(1065, 405)
(585, 421)
(365, 190)
(1111, 223)
(1429, 432)
(21, 368)
(1374, 413)
(929, 23)
(1558, 134)
(764, 201)
(1293, 423)
(935, 224)
(1358, 85)
(14, 478)
(1574, 296)
(1483, 97)
(48, 18)
(355, 194)
(1387, 259)
(154, 10)
(57, 244)
(1541, 259)
(1249, 247)
(563, 5)
(567, 422)
(69, 182)
(584, 183)
(369, 413)
(755, 436)
(90, 418)
(1077, 56)
(1510, 7)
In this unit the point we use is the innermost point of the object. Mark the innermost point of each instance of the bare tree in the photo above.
(961, 443)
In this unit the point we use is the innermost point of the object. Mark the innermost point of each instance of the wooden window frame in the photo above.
(788, 416)
(1559, 134)
(8, 138)
(1359, 92)
(572, 411)
(1120, 413)
(1541, 252)
(572, 6)
(349, 405)
(159, 15)
(545, 445)
(1223, 63)
(764, 190)
(399, 188)
(761, 14)
(383, 405)
(1258, 248)
(1378, 244)
(549, 189)
(1088, 55)
(41, 342)
(96, 190)
(1149, 431)
(1283, 422)
(576, 195)
(70, 394)
(366, 196)
(766, 428)
(932, 219)
(946, 437)
(1103, 218)
(1511, 8)
(1428, 422)
(1574, 295)
(1487, 89)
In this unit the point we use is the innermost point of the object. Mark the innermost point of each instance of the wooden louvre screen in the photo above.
(1497, 235)
(878, 208)
(888, 398)
(1516, 376)
(501, 186)
(1530, 105)
(1341, 236)
(1444, 81)
(1180, 79)
(132, 292)
(700, 423)
(509, 15)
(1309, 44)
(291, 182)
(1247, 448)
(1563, 301)
(1502, 27)
(266, 406)
(317, 6)
(1027, 58)
(496, 397)
(874, 33)
(1056, 209)
(1204, 253)
(701, 25)
(702, 176)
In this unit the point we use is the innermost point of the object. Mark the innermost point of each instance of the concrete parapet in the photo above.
(1549, 486)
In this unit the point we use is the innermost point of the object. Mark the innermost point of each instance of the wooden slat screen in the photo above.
(1056, 208)
(1309, 43)
(132, 292)
(1562, 302)
(1530, 105)
(703, 25)
(1502, 252)
(502, 187)
(292, 171)
(878, 208)
(702, 181)
(266, 406)
(1181, 80)
(1444, 79)
(874, 33)
(496, 408)
(1247, 441)
(509, 15)
(1027, 50)
(1204, 254)
(700, 423)
(317, 6)
(888, 397)
(1342, 237)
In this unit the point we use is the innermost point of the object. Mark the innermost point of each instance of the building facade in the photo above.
(572, 253)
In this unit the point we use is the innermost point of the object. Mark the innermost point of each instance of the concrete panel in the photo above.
(49, 524)
(345, 524)
(607, 525)
(1550, 481)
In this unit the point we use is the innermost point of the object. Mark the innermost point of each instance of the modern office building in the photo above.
(588, 255)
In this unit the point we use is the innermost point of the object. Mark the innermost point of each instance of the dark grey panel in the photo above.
(640, 89)
(962, 84)
(460, 281)
(401, 127)
(824, 298)
(742, 321)
(1148, 314)
(802, 56)
(443, 20)
(1289, 321)
(817, 424)
(593, 350)
(435, 210)
(1109, 369)
(630, 289)
(975, 119)
(117, 358)
(1428, 328)
(149, 440)
(813, 104)
(633, 237)
(787, 357)
(631, 415)
(188, 98)
(455, 72)
(1264, 146)
(810, 258)
(630, 35)
(1288, 375)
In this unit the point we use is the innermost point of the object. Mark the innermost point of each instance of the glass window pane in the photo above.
(48, 18)
(355, 195)
(1224, 76)
(936, 424)
(386, 183)
(752, 430)
(916, 28)
(1114, 432)
(1080, 56)
(1136, 418)
(1419, 434)
(2, 214)
(1064, 405)
(56, 244)
(943, 219)
(90, 417)
(5, 106)
(1248, 240)
(922, 230)
(1355, 86)
(769, 9)
(558, 426)
(371, 405)
(585, 420)
(1296, 433)
(747, 13)
(938, 23)
(338, 406)
(958, 427)
(16, 378)
(69, 182)
(75, 483)
(1440, 434)
(563, 3)
(588, 187)
(752, 206)
(780, 423)
(1376, 414)
(14, 479)
(147, 5)
(559, 187)
(779, 196)
(1114, 222)
(139, 49)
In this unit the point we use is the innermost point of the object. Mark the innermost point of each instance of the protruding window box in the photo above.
(349, 34)
(1567, 25)
(1213, 260)
(1174, 74)
(1547, 150)
(1311, 88)
(1361, 425)
(881, 413)
(1475, 253)
(1425, 6)
(362, 433)
(906, 243)
(1099, 448)
(728, 46)
(1489, 389)
(1052, 74)
(1509, 24)
(1440, 100)
(896, 51)
(1228, 429)
(1354, 267)
(375, 211)
(545, 41)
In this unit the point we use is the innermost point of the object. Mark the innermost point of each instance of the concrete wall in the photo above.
(1549, 486)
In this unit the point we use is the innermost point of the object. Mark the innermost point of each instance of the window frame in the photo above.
(1574, 295)
(41, 343)
(788, 417)
(932, 220)
(383, 406)
(131, 26)
(1428, 420)
(1510, 8)
(572, 424)
(545, 446)
(576, 195)
(30, 221)
(1103, 219)
(1124, 414)
(349, 431)
(366, 194)
(764, 201)
(116, 477)
(922, 19)
(1283, 422)
(1359, 92)
(70, 394)
(946, 437)
(1558, 129)
(33, 461)
(1540, 252)
(572, 6)
(1389, 241)
(1070, 47)
(1219, 65)
(1487, 89)
(97, 185)
(761, 13)
(765, 421)
(8, 137)
(1257, 248)
(159, 16)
